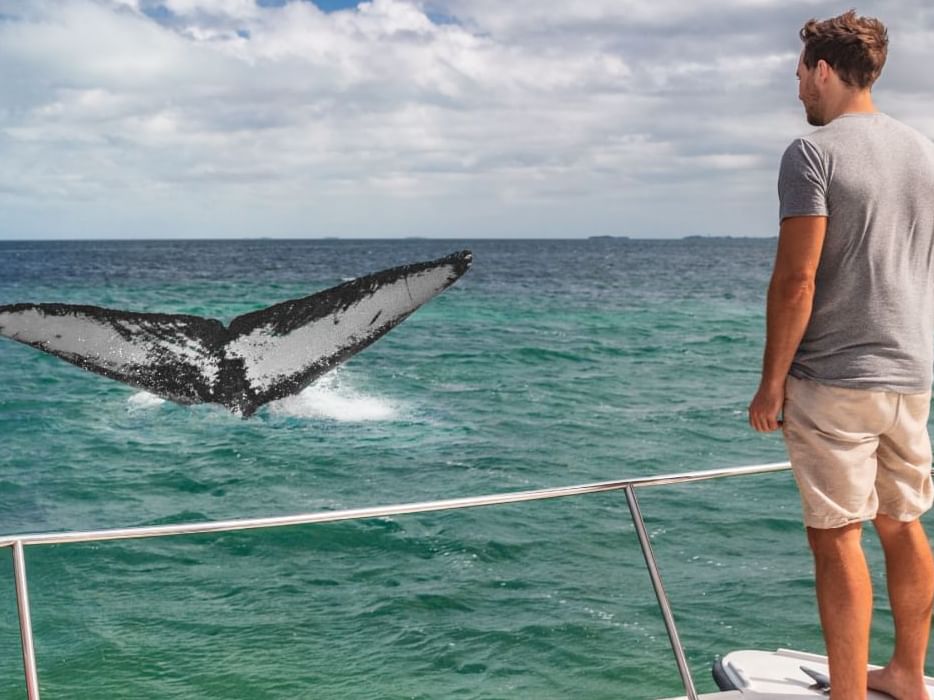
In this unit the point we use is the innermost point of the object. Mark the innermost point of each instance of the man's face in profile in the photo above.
(808, 92)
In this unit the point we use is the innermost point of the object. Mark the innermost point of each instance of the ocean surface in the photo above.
(550, 363)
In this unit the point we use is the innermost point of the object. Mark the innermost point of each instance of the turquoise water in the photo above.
(550, 363)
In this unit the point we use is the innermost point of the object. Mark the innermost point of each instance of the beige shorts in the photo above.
(856, 453)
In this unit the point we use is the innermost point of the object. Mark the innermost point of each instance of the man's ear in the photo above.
(823, 69)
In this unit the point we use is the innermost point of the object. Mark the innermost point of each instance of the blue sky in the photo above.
(390, 118)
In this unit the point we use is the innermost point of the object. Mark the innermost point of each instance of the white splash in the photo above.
(334, 399)
(143, 399)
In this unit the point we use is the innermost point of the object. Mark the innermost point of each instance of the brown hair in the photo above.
(855, 47)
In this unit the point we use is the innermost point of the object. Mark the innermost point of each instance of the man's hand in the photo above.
(765, 407)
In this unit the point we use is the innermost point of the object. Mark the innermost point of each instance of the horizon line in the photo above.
(389, 238)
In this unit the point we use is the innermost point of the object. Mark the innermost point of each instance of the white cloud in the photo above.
(447, 117)
(238, 9)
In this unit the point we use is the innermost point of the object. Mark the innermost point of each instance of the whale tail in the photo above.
(260, 357)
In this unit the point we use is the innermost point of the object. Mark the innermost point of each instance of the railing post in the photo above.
(663, 603)
(25, 621)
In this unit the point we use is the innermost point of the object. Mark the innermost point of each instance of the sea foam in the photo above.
(330, 397)
(143, 399)
(334, 398)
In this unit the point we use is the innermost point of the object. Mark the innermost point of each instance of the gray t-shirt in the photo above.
(872, 325)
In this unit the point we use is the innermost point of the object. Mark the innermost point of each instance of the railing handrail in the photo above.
(18, 543)
(142, 532)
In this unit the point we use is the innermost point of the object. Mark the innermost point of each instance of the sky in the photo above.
(396, 118)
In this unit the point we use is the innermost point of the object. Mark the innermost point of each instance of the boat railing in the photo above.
(19, 543)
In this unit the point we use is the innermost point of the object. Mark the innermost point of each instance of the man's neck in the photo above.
(851, 102)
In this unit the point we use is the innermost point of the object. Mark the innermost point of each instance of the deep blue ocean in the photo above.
(550, 363)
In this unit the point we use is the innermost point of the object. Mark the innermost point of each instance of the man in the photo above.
(848, 356)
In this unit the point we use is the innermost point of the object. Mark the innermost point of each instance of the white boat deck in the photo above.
(777, 675)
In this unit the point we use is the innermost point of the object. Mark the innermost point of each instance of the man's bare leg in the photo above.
(909, 571)
(844, 598)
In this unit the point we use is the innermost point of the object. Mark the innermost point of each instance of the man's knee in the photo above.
(891, 529)
(834, 542)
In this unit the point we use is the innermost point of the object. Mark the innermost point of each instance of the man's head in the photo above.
(843, 54)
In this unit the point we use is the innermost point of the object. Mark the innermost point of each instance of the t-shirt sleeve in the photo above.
(802, 181)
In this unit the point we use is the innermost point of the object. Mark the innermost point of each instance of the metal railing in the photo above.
(18, 543)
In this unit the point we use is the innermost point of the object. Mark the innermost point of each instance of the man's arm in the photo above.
(791, 295)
